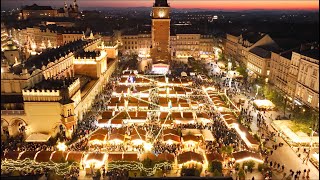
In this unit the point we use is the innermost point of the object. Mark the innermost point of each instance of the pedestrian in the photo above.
(282, 167)
(308, 172)
(284, 175)
(252, 178)
(304, 173)
(271, 152)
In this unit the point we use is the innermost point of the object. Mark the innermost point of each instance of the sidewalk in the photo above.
(284, 155)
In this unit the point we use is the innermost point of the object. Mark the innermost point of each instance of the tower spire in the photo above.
(161, 3)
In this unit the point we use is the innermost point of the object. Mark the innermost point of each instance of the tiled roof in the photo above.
(261, 52)
(54, 83)
(161, 3)
(286, 44)
(252, 37)
(87, 54)
(312, 53)
(36, 7)
(49, 55)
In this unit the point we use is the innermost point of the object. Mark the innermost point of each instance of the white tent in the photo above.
(38, 137)
(265, 104)
(184, 74)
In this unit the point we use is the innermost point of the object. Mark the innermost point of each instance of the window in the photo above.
(310, 99)
(268, 72)
(315, 72)
(312, 83)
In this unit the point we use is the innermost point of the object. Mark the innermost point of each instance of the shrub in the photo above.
(148, 163)
(256, 137)
(241, 174)
(237, 166)
(190, 172)
(249, 164)
(261, 167)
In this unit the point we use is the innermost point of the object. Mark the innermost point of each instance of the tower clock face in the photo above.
(162, 13)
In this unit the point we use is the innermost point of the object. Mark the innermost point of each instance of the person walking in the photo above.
(304, 174)
(308, 172)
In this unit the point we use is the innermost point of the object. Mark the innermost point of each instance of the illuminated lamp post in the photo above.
(62, 146)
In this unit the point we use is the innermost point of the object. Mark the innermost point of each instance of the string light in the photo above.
(21, 165)
(137, 166)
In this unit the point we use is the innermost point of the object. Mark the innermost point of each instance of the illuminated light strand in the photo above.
(133, 165)
(20, 165)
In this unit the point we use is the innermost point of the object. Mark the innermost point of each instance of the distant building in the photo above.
(36, 11)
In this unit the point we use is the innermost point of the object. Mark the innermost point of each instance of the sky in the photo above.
(202, 4)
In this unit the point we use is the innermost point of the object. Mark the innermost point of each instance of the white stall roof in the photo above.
(38, 137)
(207, 135)
(264, 103)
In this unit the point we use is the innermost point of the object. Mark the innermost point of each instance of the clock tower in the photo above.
(160, 50)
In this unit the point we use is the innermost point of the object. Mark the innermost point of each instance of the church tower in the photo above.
(65, 8)
(160, 51)
(75, 6)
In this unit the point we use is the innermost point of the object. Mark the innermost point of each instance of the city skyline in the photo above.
(202, 4)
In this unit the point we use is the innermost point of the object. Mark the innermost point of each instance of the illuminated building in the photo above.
(35, 11)
(160, 32)
(307, 90)
(54, 89)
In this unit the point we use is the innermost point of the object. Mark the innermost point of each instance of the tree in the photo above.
(148, 163)
(250, 164)
(261, 167)
(226, 150)
(242, 71)
(229, 150)
(241, 174)
(190, 172)
(215, 165)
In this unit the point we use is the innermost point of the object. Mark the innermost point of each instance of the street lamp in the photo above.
(311, 136)
(257, 90)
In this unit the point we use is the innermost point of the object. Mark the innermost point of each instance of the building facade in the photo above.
(307, 90)
(46, 88)
(35, 11)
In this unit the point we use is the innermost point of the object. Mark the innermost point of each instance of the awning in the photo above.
(165, 157)
(247, 155)
(263, 104)
(190, 156)
(38, 137)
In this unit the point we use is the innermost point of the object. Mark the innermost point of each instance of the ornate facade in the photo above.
(35, 11)
(50, 88)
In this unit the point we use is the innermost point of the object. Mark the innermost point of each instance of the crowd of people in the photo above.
(223, 135)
